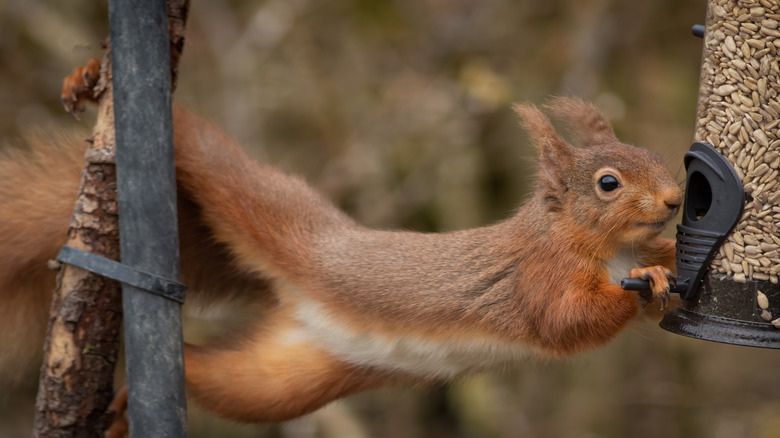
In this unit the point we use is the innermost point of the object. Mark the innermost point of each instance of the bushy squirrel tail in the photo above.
(38, 187)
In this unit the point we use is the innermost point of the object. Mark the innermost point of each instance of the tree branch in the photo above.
(82, 341)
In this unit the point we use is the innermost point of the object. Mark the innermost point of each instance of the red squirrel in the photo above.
(347, 308)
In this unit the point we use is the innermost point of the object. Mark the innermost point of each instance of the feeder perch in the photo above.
(714, 199)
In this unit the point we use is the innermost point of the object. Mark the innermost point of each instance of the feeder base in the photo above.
(718, 329)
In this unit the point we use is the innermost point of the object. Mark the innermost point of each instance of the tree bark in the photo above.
(82, 343)
(178, 10)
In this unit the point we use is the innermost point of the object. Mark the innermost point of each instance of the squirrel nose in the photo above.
(673, 199)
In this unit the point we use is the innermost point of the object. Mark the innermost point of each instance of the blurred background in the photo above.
(399, 110)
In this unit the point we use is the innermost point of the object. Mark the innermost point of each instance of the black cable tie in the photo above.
(123, 273)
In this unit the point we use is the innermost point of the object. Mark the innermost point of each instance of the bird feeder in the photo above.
(731, 216)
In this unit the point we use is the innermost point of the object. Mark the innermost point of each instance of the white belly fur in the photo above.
(425, 358)
(625, 259)
(415, 355)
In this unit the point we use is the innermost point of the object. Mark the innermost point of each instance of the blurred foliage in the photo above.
(399, 111)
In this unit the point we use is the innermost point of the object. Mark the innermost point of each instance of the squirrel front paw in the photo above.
(659, 278)
(79, 87)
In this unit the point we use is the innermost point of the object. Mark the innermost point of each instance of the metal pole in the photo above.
(147, 210)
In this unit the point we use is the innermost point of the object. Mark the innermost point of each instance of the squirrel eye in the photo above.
(608, 183)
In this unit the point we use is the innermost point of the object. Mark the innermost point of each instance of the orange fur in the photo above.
(37, 191)
(267, 378)
(348, 308)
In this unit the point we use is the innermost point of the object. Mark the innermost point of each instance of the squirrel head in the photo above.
(611, 191)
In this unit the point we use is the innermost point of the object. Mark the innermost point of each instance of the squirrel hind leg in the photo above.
(119, 426)
(247, 385)
(78, 88)
(271, 376)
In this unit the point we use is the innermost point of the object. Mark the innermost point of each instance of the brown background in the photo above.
(399, 111)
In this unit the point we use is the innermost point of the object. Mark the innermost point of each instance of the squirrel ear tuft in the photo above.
(556, 155)
(588, 124)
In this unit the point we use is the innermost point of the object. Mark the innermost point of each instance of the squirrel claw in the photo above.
(672, 279)
(665, 297)
(660, 279)
(79, 87)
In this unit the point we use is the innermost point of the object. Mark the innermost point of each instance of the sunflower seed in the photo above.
(763, 301)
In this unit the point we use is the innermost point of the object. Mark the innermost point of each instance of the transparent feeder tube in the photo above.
(738, 113)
